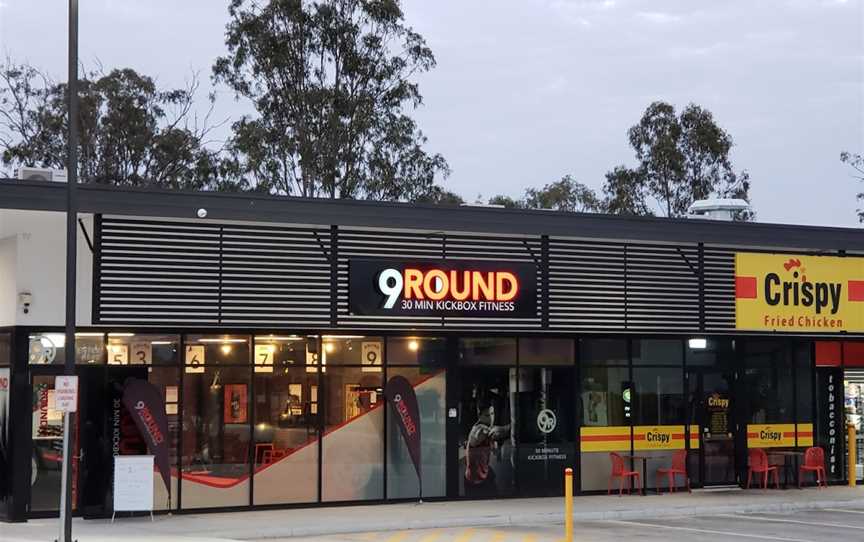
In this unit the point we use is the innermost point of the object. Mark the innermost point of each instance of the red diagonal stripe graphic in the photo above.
(745, 287)
(856, 290)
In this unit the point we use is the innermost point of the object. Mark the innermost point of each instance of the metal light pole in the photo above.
(71, 268)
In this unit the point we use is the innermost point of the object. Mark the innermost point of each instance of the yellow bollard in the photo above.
(568, 504)
(853, 455)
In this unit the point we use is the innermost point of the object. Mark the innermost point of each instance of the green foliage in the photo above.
(131, 132)
(566, 194)
(856, 162)
(330, 82)
(682, 158)
(625, 192)
(439, 196)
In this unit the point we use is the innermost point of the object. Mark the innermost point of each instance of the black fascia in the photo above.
(153, 203)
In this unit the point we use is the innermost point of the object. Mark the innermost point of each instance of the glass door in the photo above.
(545, 435)
(47, 449)
(713, 412)
(486, 418)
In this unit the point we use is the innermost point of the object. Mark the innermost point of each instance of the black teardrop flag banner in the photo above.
(400, 393)
(145, 404)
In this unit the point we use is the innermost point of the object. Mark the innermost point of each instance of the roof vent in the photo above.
(717, 209)
(41, 174)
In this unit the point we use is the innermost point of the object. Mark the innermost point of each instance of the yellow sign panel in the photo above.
(777, 435)
(805, 434)
(658, 437)
(783, 292)
(645, 438)
(605, 439)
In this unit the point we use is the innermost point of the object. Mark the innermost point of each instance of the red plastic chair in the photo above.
(618, 471)
(814, 461)
(757, 461)
(679, 466)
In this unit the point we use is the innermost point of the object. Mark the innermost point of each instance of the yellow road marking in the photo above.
(431, 537)
(465, 536)
(529, 538)
(497, 536)
(398, 537)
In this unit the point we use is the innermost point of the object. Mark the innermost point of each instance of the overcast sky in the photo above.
(527, 91)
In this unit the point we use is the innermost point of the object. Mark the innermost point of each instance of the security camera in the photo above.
(25, 299)
(202, 213)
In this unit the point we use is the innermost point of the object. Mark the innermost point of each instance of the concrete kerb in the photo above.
(549, 518)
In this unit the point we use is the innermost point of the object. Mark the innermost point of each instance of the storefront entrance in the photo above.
(713, 412)
(99, 432)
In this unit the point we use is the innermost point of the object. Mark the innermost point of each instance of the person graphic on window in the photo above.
(483, 438)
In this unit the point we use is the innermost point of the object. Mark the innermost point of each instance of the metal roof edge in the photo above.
(39, 195)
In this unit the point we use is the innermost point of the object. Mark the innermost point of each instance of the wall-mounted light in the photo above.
(226, 349)
(697, 344)
(328, 347)
(413, 345)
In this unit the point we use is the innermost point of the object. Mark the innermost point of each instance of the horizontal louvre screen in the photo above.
(719, 289)
(155, 272)
(151, 272)
(586, 285)
(208, 274)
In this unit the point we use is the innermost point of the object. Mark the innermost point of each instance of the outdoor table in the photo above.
(644, 459)
(790, 463)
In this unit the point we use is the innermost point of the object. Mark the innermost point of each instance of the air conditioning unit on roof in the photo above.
(42, 174)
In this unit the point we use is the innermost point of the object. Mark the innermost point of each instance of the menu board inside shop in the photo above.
(717, 407)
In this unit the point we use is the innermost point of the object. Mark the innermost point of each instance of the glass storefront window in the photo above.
(804, 379)
(353, 443)
(354, 350)
(659, 396)
(286, 433)
(767, 384)
(426, 351)
(273, 353)
(203, 351)
(717, 353)
(603, 352)
(132, 349)
(487, 351)
(605, 418)
(430, 387)
(49, 348)
(5, 349)
(487, 422)
(603, 396)
(539, 351)
(47, 434)
(216, 437)
(658, 352)
(545, 436)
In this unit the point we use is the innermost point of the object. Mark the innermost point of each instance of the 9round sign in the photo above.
(442, 288)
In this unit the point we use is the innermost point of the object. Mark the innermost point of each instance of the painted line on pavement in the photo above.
(781, 520)
(431, 537)
(498, 537)
(842, 510)
(465, 536)
(709, 531)
(398, 537)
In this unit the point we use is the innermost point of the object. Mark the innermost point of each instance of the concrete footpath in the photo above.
(312, 522)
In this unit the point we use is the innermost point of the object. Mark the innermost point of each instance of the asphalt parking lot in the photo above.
(833, 524)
